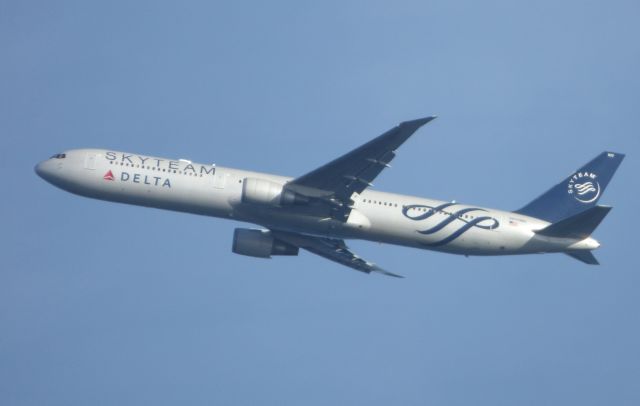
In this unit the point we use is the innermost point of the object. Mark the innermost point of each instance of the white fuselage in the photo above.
(215, 191)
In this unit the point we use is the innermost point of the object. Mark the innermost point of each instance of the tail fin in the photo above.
(578, 192)
(579, 226)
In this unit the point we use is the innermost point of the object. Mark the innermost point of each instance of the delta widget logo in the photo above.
(584, 187)
(156, 181)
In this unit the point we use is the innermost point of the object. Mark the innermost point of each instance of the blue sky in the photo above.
(110, 304)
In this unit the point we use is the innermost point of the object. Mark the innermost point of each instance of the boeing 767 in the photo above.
(321, 209)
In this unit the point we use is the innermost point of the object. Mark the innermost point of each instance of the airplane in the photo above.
(321, 209)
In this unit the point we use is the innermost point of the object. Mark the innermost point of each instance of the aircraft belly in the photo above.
(279, 219)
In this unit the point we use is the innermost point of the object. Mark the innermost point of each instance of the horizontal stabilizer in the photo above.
(579, 226)
(584, 256)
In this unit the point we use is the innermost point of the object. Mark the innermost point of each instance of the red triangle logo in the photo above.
(109, 176)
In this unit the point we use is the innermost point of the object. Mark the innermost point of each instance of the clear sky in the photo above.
(107, 304)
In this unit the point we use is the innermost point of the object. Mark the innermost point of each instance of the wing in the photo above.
(336, 181)
(332, 249)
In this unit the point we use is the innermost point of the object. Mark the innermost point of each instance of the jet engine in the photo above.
(260, 243)
(266, 192)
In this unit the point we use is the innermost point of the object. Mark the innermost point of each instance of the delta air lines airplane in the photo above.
(321, 209)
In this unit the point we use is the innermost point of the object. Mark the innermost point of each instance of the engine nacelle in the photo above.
(266, 192)
(260, 243)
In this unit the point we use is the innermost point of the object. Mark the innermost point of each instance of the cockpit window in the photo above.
(59, 156)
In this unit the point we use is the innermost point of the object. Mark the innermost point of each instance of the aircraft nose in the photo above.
(40, 169)
(48, 170)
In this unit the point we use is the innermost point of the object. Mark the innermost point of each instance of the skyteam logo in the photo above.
(584, 187)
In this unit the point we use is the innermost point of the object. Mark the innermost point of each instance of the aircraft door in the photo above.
(220, 179)
(90, 161)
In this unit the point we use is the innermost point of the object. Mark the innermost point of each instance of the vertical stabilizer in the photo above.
(578, 192)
